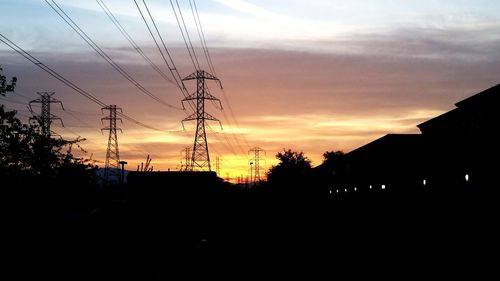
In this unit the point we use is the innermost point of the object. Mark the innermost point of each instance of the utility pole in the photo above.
(257, 151)
(112, 154)
(45, 118)
(200, 159)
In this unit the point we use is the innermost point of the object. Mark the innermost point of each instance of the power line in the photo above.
(208, 58)
(171, 66)
(66, 110)
(65, 81)
(18, 111)
(236, 140)
(192, 55)
(225, 142)
(243, 151)
(201, 35)
(8, 99)
(77, 118)
(205, 49)
(104, 55)
(183, 89)
(21, 95)
(129, 38)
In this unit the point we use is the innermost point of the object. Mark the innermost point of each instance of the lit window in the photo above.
(467, 177)
(383, 186)
(424, 182)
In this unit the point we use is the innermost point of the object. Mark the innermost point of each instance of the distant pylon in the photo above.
(111, 167)
(257, 151)
(45, 118)
(217, 165)
(200, 159)
(186, 158)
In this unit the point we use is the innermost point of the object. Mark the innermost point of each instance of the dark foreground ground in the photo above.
(258, 235)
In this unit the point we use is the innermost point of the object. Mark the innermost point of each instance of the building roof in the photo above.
(388, 144)
(484, 98)
(441, 121)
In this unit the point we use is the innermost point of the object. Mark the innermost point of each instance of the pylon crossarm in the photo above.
(220, 84)
(29, 105)
(190, 97)
(200, 74)
(209, 117)
(208, 96)
(57, 118)
(190, 117)
(220, 104)
(62, 106)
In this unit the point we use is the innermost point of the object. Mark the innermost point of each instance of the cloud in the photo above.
(248, 8)
(306, 99)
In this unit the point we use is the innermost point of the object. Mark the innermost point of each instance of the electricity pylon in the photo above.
(45, 118)
(200, 159)
(217, 165)
(111, 167)
(186, 158)
(257, 153)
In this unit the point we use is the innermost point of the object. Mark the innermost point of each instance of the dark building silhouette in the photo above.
(464, 142)
(455, 149)
(393, 159)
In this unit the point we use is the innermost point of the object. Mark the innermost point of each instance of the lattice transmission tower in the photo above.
(186, 159)
(217, 165)
(45, 118)
(111, 168)
(257, 152)
(200, 158)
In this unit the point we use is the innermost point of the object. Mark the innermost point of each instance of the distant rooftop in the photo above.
(486, 97)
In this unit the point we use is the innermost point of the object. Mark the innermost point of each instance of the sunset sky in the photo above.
(313, 76)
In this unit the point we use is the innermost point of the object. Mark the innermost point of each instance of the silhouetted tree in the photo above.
(4, 86)
(291, 171)
(332, 170)
(24, 151)
(334, 161)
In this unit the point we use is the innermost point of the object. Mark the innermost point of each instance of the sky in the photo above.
(311, 76)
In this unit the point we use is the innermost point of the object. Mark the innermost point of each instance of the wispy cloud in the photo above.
(249, 8)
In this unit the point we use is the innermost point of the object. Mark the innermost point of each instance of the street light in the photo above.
(251, 178)
(123, 163)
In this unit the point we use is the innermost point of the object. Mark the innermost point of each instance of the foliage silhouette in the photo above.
(4, 87)
(290, 176)
(291, 164)
(25, 153)
(334, 160)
